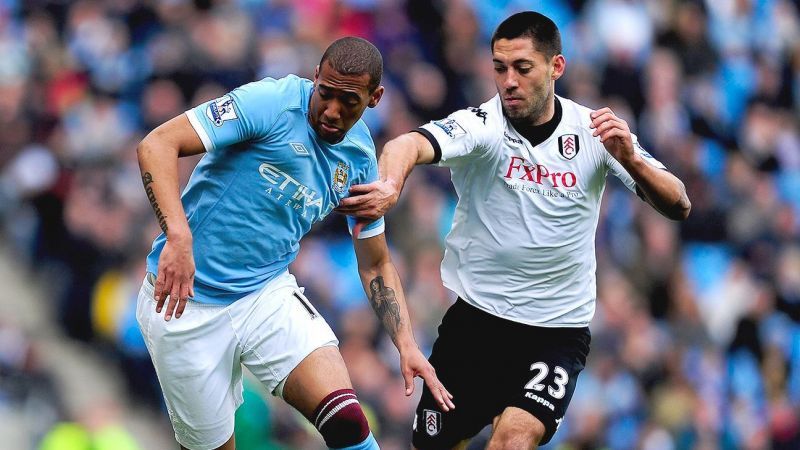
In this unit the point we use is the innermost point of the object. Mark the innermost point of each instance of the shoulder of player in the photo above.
(484, 120)
(575, 114)
(360, 138)
(285, 93)
(576, 119)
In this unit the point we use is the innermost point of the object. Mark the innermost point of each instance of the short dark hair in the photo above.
(538, 27)
(355, 56)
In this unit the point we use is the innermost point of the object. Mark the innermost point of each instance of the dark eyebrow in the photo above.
(515, 62)
(348, 94)
(351, 95)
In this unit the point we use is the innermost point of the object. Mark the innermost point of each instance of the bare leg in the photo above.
(319, 374)
(516, 429)
(460, 446)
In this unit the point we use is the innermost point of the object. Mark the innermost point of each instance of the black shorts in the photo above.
(489, 363)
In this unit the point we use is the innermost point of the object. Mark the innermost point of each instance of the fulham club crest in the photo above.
(568, 145)
(432, 421)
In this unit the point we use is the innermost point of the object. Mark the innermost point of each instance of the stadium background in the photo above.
(696, 339)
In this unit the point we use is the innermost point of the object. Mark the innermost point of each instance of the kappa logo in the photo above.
(220, 110)
(340, 177)
(433, 421)
(568, 145)
(451, 127)
(511, 139)
(299, 148)
(480, 113)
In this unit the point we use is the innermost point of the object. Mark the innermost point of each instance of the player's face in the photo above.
(525, 79)
(339, 101)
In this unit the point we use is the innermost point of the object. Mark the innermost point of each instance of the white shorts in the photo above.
(199, 357)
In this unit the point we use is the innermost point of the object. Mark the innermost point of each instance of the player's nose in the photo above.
(510, 81)
(333, 112)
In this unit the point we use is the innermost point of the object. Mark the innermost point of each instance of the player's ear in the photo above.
(375, 97)
(316, 72)
(559, 64)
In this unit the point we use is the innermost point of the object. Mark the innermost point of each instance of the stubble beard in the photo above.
(532, 113)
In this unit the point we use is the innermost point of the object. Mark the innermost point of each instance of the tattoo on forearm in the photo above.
(385, 305)
(147, 180)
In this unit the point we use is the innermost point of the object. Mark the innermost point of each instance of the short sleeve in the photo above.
(616, 168)
(246, 113)
(459, 137)
(372, 229)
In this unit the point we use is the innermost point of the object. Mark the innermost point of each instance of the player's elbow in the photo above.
(153, 147)
(685, 210)
(144, 150)
(681, 210)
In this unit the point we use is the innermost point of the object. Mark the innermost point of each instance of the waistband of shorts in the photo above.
(282, 280)
(148, 284)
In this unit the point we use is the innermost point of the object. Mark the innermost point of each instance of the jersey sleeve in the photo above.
(458, 138)
(246, 113)
(616, 168)
(367, 175)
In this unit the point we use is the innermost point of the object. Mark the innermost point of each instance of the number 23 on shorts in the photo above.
(541, 370)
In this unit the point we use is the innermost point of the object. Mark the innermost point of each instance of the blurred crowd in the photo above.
(696, 339)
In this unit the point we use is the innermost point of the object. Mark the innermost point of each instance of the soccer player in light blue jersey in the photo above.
(279, 156)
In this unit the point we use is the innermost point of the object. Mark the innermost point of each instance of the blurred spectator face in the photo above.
(427, 86)
(162, 100)
(338, 101)
(525, 78)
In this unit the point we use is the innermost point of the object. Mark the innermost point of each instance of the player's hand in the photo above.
(175, 276)
(414, 364)
(613, 133)
(370, 201)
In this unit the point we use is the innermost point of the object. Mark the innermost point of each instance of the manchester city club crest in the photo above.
(568, 145)
(433, 421)
(340, 177)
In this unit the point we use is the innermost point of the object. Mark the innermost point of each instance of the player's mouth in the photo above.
(329, 128)
(512, 101)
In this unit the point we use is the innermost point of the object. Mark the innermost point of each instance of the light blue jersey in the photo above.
(265, 179)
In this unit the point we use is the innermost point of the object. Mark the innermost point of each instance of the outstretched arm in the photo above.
(382, 285)
(371, 201)
(158, 155)
(662, 190)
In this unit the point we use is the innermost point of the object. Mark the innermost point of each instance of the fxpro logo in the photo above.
(539, 174)
(286, 188)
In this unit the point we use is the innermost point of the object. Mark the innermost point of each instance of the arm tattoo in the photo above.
(147, 180)
(385, 305)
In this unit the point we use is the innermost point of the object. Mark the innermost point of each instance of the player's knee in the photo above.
(340, 420)
(513, 438)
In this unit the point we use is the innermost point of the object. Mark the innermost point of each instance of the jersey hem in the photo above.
(516, 319)
(366, 234)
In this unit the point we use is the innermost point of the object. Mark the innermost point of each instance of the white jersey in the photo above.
(522, 242)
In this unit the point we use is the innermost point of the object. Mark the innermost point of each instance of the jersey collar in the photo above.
(537, 134)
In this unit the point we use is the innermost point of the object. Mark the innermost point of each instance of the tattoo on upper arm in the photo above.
(147, 180)
(385, 304)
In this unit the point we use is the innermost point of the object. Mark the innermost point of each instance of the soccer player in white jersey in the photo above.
(529, 169)
(280, 155)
